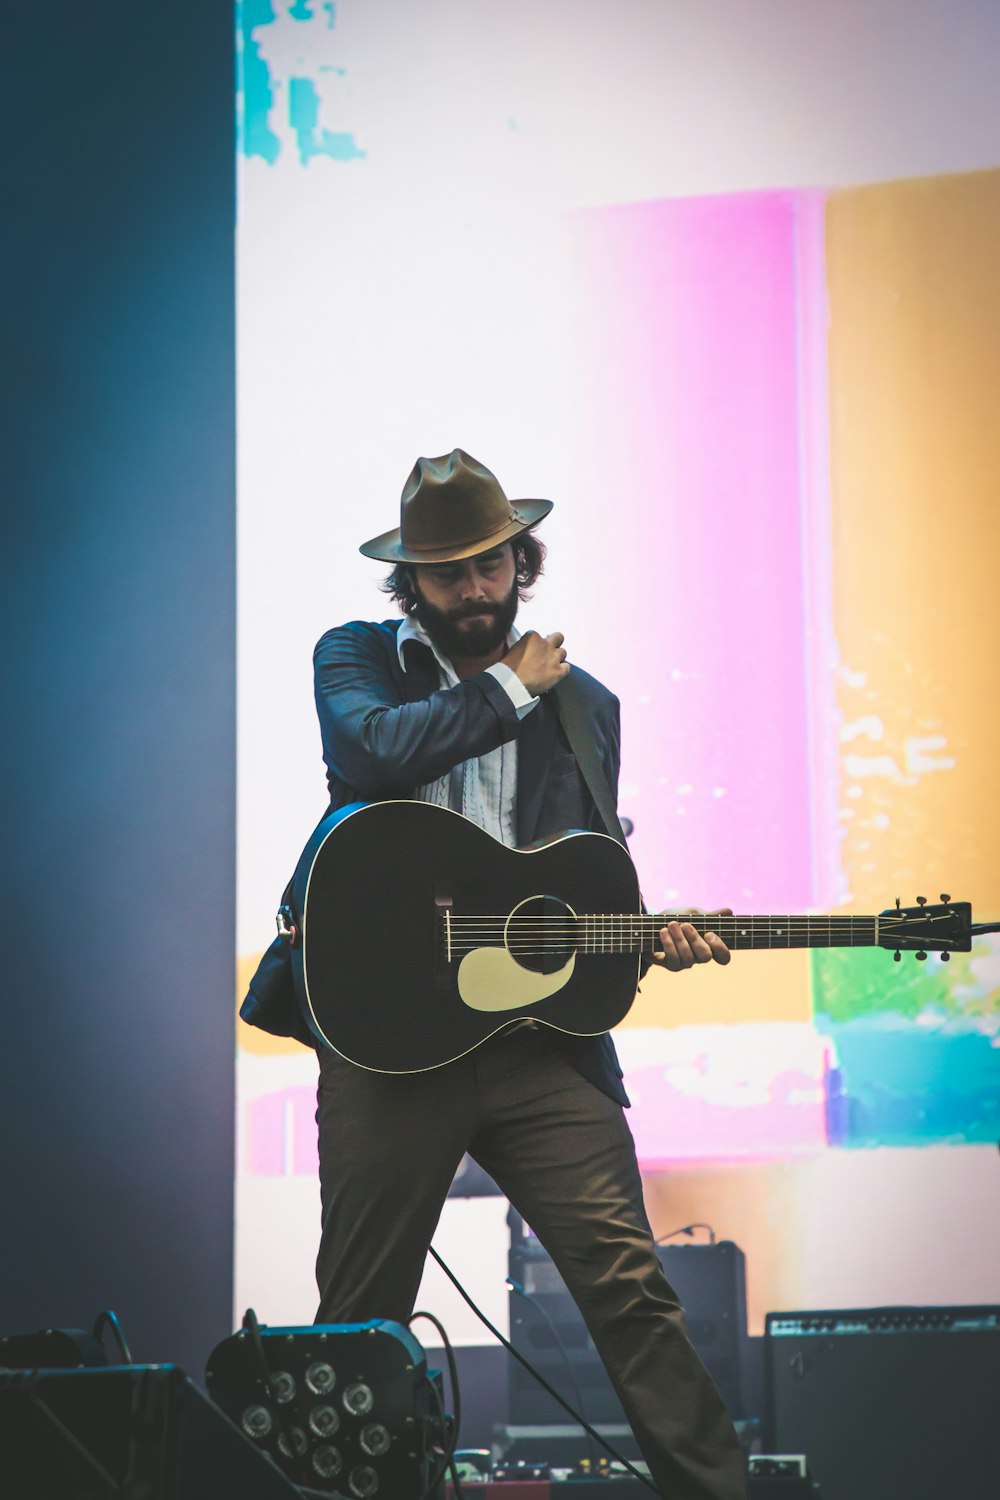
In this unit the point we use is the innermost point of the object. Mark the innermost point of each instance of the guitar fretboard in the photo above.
(635, 934)
(632, 932)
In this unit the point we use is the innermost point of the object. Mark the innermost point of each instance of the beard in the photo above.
(458, 636)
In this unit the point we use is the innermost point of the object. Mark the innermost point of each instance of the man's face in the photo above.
(468, 607)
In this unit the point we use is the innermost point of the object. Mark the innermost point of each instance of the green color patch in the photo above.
(850, 984)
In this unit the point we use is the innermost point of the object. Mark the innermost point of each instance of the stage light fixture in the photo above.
(64, 1348)
(347, 1408)
(51, 1349)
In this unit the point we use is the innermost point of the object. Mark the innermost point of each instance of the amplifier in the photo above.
(710, 1281)
(888, 1401)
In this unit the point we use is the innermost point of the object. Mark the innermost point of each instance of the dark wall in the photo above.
(118, 561)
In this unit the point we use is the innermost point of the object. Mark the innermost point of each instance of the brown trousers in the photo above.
(563, 1154)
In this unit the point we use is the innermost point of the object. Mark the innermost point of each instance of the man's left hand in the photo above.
(683, 945)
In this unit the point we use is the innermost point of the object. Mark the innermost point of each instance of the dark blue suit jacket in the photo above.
(387, 732)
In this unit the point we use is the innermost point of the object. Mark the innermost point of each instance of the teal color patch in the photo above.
(902, 1085)
(256, 138)
(313, 140)
(918, 1060)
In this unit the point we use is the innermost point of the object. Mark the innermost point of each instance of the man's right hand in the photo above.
(539, 661)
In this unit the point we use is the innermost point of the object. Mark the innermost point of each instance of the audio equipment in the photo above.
(350, 1408)
(888, 1401)
(770, 1477)
(124, 1430)
(547, 1328)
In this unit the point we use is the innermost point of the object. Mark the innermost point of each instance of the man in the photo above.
(450, 705)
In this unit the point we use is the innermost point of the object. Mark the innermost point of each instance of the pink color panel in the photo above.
(691, 467)
(281, 1133)
(671, 1128)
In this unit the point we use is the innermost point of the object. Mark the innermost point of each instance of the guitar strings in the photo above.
(566, 924)
(614, 933)
(530, 935)
(663, 919)
(730, 923)
(592, 950)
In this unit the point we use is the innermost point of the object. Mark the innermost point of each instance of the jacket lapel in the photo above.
(535, 746)
(421, 677)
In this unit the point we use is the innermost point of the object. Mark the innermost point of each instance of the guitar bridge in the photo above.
(443, 907)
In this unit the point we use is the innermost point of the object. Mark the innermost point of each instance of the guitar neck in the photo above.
(641, 934)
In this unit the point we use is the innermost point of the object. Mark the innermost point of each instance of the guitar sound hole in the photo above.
(540, 934)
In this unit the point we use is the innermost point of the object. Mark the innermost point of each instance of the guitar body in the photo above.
(417, 934)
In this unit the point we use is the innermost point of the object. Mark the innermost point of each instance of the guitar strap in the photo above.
(573, 717)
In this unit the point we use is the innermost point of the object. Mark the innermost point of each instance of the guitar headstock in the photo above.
(923, 929)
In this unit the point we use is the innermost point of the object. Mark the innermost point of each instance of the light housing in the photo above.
(346, 1407)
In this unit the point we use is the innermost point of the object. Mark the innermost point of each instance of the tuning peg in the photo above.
(945, 897)
(921, 956)
(897, 956)
(945, 957)
(921, 900)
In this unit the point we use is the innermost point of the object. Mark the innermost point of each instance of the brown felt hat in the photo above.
(452, 507)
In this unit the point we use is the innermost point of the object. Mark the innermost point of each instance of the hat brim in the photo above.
(389, 546)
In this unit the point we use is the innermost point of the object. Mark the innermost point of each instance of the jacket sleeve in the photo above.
(377, 744)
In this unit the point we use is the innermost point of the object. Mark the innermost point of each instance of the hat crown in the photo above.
(452, 507)
(451, 502)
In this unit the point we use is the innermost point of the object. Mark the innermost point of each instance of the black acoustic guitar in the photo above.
(419, 935)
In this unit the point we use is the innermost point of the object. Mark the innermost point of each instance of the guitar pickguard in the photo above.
(489, 979)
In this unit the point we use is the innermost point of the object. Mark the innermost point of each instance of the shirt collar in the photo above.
(412, 630)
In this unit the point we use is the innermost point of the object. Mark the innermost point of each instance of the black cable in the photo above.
(448, 1457)
(253, 1328)
(449, 1355)
(456, 1395)
(110, 1319)
(540, 1378)
(689, 1230)
(543, 1313)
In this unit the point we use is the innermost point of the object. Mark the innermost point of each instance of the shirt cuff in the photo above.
(513, 687)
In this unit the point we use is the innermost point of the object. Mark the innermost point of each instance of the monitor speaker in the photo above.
(548, 1330)
(891, 1401)
(135, 1430)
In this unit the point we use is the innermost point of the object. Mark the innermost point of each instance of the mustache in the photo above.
(468, 611)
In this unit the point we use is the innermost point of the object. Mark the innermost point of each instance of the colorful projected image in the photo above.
(711, 318)
(768, 422)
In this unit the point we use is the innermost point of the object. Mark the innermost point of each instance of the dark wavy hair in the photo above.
(529, 562)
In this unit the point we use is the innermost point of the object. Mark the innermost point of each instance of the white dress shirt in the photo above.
(485, 788)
